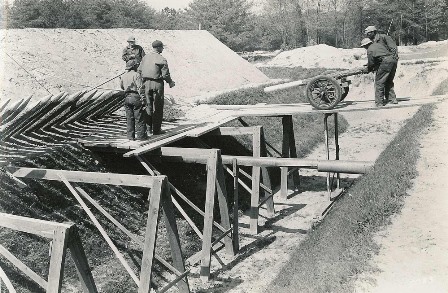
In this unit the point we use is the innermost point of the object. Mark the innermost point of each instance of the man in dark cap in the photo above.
(134, 104)
(132, 53)
(384, 63)
(154, 71)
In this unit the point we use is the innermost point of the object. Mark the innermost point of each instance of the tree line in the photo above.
(281, 24)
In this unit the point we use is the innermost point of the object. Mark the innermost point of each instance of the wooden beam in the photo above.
(29, 225)
(6, 281)
(208, 217)
(144, 285)
(100, 229)
(57, 259)
(81, 263)
(232, 131)
(83, 177)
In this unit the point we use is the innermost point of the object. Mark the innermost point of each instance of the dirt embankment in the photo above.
(36, 60)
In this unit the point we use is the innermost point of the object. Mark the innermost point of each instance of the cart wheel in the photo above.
(345, 91)
(323, 92)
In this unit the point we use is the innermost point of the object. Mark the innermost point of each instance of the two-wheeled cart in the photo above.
(323, 92)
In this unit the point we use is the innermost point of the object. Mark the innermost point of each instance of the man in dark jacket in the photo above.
(154, 71)
(134, 104)
(132, 53)
(382, 58)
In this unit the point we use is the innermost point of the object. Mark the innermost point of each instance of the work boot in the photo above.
(394, 101)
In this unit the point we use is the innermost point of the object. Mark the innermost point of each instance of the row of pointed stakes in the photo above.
(28, 127)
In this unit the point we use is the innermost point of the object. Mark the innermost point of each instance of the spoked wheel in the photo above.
(323, 92)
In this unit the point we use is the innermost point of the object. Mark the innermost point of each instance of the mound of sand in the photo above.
(320, 56)
(72, 60)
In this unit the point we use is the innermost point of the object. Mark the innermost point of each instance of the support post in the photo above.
(327, 149)
(144, 285)
(57, 260)
(336, 142)
(288, 151)
(236, 243)
(208, 217)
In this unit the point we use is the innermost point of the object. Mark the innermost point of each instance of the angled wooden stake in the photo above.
(223, 204)
(173, 236)
(80, 260)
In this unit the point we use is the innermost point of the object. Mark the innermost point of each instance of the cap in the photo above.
(370, 28)
(131, 39)
(365, 42)
(157, 43)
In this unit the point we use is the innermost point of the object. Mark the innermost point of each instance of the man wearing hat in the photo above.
(134, 104)
(132, 53)
(372, 33)
(384, 63)
(154, 71)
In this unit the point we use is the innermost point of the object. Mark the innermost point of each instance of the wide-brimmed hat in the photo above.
(370, 28)
(365, 42)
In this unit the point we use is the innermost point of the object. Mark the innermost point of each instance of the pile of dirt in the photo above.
(63, 60)
(320, 56)
(325, 56)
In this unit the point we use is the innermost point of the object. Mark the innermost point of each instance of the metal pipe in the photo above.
(351, 167)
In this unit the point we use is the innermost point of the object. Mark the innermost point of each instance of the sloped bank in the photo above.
(339, 248)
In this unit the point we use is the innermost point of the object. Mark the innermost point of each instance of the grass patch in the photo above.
(441, 89)
(341, 245)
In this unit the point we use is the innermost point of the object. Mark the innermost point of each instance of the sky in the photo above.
(181, 4)
(160, 4)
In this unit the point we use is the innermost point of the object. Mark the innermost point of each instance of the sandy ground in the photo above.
(414, 248)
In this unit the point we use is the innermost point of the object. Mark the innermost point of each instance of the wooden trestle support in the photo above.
(159, 198)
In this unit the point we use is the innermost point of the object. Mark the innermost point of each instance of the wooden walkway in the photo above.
(217, 115)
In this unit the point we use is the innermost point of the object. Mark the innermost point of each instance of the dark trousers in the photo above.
(154, 93)
(384, 81)
(136, 127)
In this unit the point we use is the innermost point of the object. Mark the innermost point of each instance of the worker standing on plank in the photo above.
(154, 71)
(134, 104)
(382, 57)
(132, 53)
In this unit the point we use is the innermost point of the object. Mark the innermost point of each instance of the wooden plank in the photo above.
(30, 225)
(3, 106)
(232, 131)
(173, 237)
(6, 281)
(235, 238)
(151, 170)
(144, 285)
(155, 145)
(223, 205)
(131, 235)
(208, 217)
(16, 111)
(84, 177)
(57, 259)
(23, 267)
(100, 229)
(80, 259)
(265, 178)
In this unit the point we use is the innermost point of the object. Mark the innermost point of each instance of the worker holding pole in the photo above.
(382, 55)
(134, 104)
